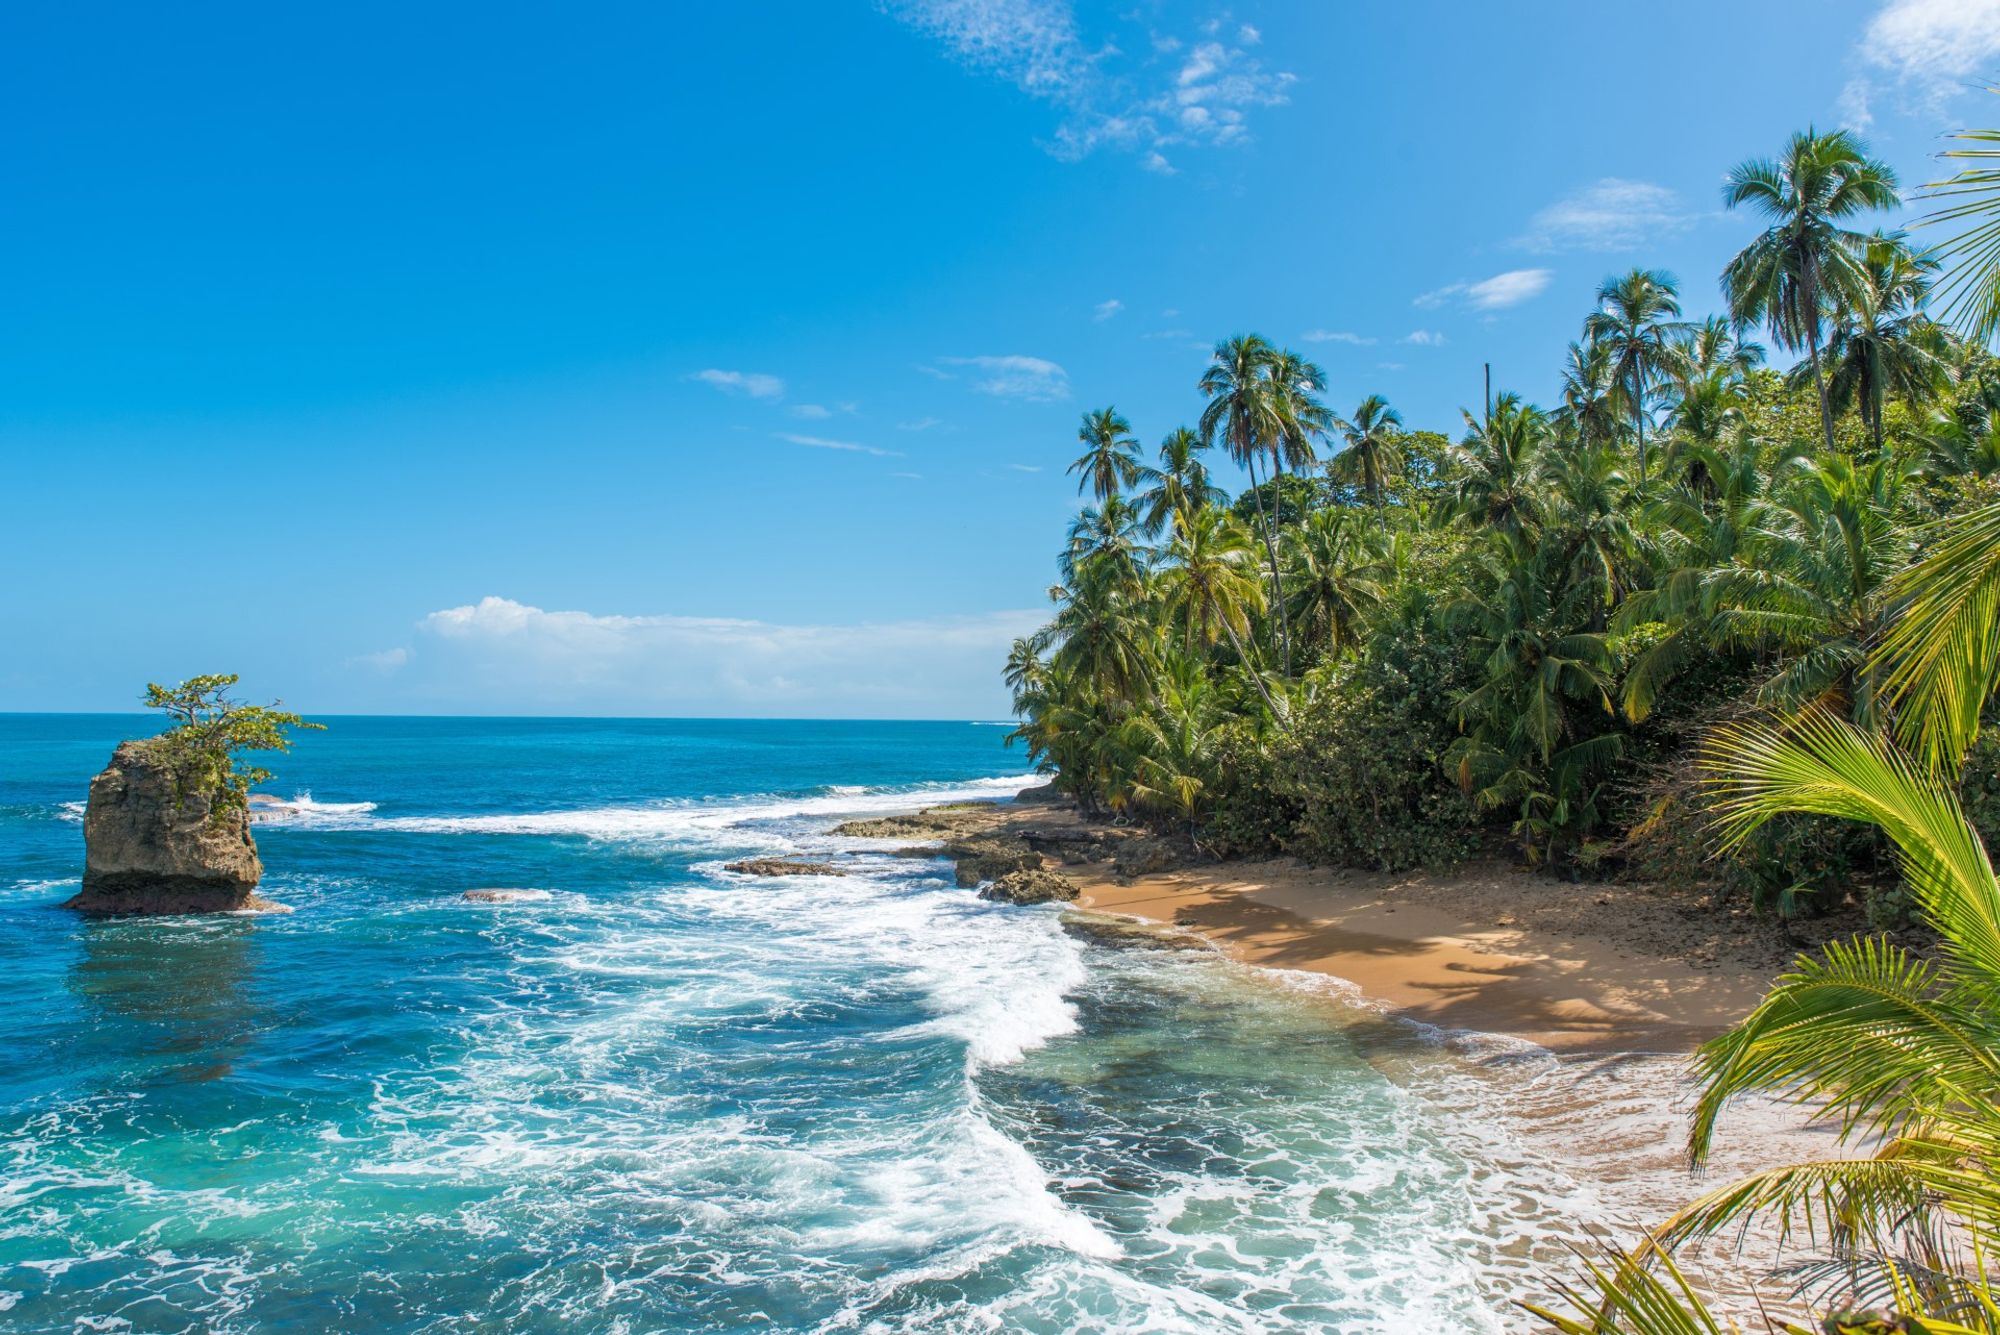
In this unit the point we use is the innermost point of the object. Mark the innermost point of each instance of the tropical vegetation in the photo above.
(1700, 617)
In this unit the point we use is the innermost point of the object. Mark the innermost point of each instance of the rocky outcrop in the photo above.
(148, 850)
(1042, 794)
(1030, 886)
(986, 858)
(781, 867)
(505, 895)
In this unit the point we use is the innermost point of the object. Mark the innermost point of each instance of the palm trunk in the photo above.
(1639, 425)
(1812, 346)
(1277, 581)
(1250, 667)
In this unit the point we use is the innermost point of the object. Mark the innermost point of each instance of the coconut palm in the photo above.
(1209, 586)
(1634, 322)
(1180, 485)
(1971, 294)
(1338, 569)
(1882, 342)
(1102, 632)
(1110, 535)
(1110, 458)
(1805, 264)
(1298, 418)
(1943, 654)
(1241, 415)
(1498, 488)
(1590, 396)
(1372, 451)
(1592, 503)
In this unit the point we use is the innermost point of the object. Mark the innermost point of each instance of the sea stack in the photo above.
(149, 851)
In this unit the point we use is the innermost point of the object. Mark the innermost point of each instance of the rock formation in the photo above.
(148, 851)
(505, 895)
(781, 867)
(1030, 886)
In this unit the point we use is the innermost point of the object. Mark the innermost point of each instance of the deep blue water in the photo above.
(670, 1098)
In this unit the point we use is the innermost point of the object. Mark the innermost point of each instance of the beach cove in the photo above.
(666, 1094)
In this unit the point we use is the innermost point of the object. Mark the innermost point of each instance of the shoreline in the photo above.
(1578, 969)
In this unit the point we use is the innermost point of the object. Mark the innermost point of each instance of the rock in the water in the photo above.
(1031, 887)
(505, 896)
(147, 852)
(987, 859)
(781, 867)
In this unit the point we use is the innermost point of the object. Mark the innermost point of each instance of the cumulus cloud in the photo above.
(1106, 98)
(753, 383)
(1104, 310)
(1612, 214)
(847, 446)
(1014, 376)
(1933, 41)
(1423, 338)
(512, 655)
(1491, 294)
(1337, 336)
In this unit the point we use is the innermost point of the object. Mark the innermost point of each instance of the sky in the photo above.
(640, 359)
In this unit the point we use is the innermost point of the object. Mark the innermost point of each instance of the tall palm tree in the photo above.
(1180, 485)
(1108, 534)
(1634, 322)
(1209, 587)
(1241, 415)
(1298, 418)
(1882, 342)
(1805, 263)
(1372, 437)
(1110, 458)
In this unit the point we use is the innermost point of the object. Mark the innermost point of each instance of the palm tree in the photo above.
(1882, 342)
(1338, 571)
(1971, 294)
(1208, 586)
(1102, 632)
(1592, 503)
(1298, 417)
(1241, 414)
(1108, 535)
(1805, 264)
(1110, 458)
(1633, 322)
(1943, 653)
(1498, 489)
(1590, 396)
(1372, 452)
(1180, 484)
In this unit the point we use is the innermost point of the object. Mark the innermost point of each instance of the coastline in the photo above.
(1487, 948)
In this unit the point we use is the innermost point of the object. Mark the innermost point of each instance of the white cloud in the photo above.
(1612, 214)
(1491, 294)
(1389, 366)
(1106, 99)
(920, 424)
(822, 443)
(819, 412)
(385, 660)
(1104, 310)
(1337, 336)
(1026, 468)
(754, 383)
(1935, 41)
(499, 652)
(1016, 377)
(1423, 338)
(915, 476)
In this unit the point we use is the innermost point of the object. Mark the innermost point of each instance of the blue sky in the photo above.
(670, 360)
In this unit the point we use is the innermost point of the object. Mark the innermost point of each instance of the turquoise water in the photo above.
(667, 1098)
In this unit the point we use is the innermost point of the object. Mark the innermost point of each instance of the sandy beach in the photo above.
(1486, 947)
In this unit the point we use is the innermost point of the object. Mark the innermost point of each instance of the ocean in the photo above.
(670, 1098)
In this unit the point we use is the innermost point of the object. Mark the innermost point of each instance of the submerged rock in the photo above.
(505, 896)
(781, 867)
(1030, 886)
(148, 851)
